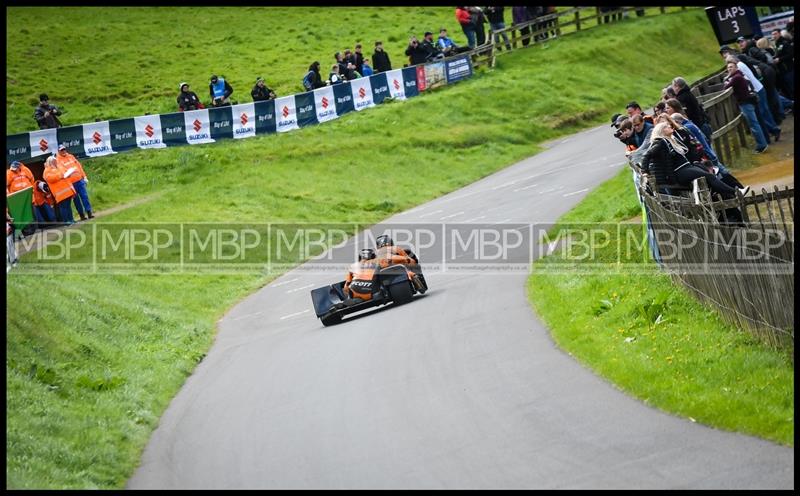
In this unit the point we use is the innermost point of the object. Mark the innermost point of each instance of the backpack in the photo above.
(308, 81)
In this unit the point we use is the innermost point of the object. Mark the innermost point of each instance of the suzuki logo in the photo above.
(97, 138)
(285, 111)
(362, 92)
(197, 125)
(148, 130)
(396, 85)
(244, 119)
(324, 102)
(43, 146)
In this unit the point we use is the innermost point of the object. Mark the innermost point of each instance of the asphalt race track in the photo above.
(461, 388)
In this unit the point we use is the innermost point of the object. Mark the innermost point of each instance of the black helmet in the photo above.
(383, 240)
(366, 254)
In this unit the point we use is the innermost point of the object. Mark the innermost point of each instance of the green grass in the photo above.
(93, 360)
(688, 361)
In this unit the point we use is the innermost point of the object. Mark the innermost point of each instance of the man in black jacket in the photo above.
(220, 91)
(261, 92)
(187, 99)
(432, 52)
(46, 115)
(694, 110)
(416, 54)
(380, 59)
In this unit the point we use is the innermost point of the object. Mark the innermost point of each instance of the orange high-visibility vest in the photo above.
(61, 188)
(67, 161)
(39, 198)
(18, 180)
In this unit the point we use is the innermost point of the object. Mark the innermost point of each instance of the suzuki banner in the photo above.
(148, 131)
(394, 80)
(380, 89)
(325, 103)
(198, 126)
(221, 122)
(97, 139)
(72, 138)
(265, 116)
(285, 114)
(244, 120)
(344, 98)
(410, 80)
(43, 141)
(362, 93)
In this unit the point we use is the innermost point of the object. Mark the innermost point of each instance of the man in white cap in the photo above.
(188, 100)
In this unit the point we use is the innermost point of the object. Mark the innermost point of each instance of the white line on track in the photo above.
(503, 221)
(248, 315)
(284, 282)
(475, 218)
(504, 185)
(293, 315)
(526, 187)
(450, 216)
(575, 192)
(431, 213)
(298, 289)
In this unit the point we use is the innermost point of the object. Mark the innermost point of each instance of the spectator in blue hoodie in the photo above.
(367, 68)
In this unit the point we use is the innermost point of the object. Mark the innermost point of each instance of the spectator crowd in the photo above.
(674, 144)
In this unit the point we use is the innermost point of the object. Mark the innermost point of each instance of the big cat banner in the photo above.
(394, 80)
(197, 124)
(325, 103)
(173, 131)
(265, 116)
(221, 122)
(362, 93)
(123, 134)
(344, 98)
(304, 106)
(244, 120)
(380, 89)
(72, 138)
(410, 81)
(18, 147)
(285, 114)
(97, 139)
(148, 131)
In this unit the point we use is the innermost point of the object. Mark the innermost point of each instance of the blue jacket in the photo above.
(692, 127)
(640, 138)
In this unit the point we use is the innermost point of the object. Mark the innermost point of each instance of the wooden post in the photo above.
(662, 9)
(577, 19)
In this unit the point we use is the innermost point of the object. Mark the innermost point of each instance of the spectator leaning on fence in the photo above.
(641, 129)
(497, 23)
(763, 113)
(521, 15)
(432, 51)
(634, 108)
(334, 77)
(46, 115)
(220, 91)
(187, 99)
(447, 46)
(66, 161)
(464, 19)
(261, 92)
(694, 110)
(381, 59)
(745, 96)
(61, 188)
(666, 159)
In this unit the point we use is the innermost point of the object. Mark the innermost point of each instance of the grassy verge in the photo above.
(652, 339)
(93, 360)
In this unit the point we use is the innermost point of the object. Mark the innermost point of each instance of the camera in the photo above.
(618, 134)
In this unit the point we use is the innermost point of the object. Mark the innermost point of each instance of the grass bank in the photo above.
(93, 360)
(632, 325)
